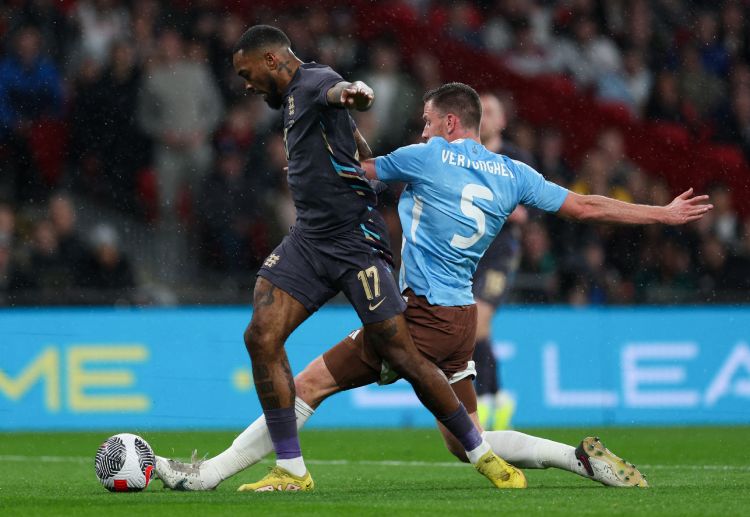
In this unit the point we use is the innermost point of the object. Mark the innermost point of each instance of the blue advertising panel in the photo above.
(188, 368)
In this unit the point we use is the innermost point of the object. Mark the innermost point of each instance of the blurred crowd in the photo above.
(130, 111)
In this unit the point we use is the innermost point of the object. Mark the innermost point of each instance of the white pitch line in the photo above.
(376, 463)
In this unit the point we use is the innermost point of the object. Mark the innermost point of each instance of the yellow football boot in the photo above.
(501, 473)
(278, 479)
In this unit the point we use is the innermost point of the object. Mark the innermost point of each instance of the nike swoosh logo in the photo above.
(373, 307)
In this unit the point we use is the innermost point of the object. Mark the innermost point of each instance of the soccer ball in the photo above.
(124, 463)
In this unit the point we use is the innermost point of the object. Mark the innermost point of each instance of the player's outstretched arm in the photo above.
(356, 95)
(683, 209)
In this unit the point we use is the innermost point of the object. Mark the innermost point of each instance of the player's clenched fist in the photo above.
(358, 96)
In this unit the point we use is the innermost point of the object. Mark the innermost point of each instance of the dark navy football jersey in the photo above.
(330, 191)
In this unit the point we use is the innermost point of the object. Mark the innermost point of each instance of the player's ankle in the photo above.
(478, 452)
(295, 466)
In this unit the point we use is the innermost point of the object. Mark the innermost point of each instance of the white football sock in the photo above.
(294, 466)
(530, 452)
(251, 446)
(477, 453)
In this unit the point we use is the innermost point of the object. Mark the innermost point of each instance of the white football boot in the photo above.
(605, 467)
(181, 476)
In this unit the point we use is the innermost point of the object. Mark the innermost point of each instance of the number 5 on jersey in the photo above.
(471, 191)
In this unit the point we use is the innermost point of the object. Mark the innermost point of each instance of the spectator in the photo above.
(230, 216)
(588, 56)
(7, 223)
(638, 79)
(713, 54)
(672, 280)
(538, 260)
(61, 212)
(101, 23)
(665, 103)
(463, 23)
(722, 274)
(179, 108)
(145, 16)
(526, 56)
(587, 279)
(88, 123)
(698, 87)
(734, 31)
(396, 95)
(30, 90)
(49, 271)
(595, 177)
(725, 224)
(491, 130)
(549, 157)
(735, 126)
(12, 279)
(53, 25)
(231, 28)
(107, 269)
(611, 143)
(125, 146)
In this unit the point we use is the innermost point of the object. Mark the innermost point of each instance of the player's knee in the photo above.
(259, 342)
(397, 358)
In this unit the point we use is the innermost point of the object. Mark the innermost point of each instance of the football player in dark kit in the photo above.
(338, 243)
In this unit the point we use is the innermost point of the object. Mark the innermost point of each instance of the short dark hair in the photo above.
(458, 98)
(260, 36)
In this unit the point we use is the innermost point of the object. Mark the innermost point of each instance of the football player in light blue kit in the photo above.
(457, 197)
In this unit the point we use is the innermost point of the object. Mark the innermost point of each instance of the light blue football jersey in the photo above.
(457, 198)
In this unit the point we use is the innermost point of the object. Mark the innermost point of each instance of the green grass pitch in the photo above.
(693, 471)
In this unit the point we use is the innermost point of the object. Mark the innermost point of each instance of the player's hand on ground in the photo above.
(686, 208)
(358, 96)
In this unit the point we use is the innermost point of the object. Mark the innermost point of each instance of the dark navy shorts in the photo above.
(313, 270)
(497, 269)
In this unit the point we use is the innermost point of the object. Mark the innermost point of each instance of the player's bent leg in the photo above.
(251, 446)
(276, 314)
(590, 459)
(464, 390)
(315, 383)
(339, 368)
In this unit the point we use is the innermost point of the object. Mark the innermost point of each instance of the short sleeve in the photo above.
(319, 81)
(403, 164)
(536, 191)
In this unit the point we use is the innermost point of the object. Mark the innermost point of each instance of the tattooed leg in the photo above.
(275, 315)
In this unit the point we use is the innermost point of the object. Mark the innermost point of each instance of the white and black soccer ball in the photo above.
(124, 463)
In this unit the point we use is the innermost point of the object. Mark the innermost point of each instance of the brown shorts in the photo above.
(444, 335)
